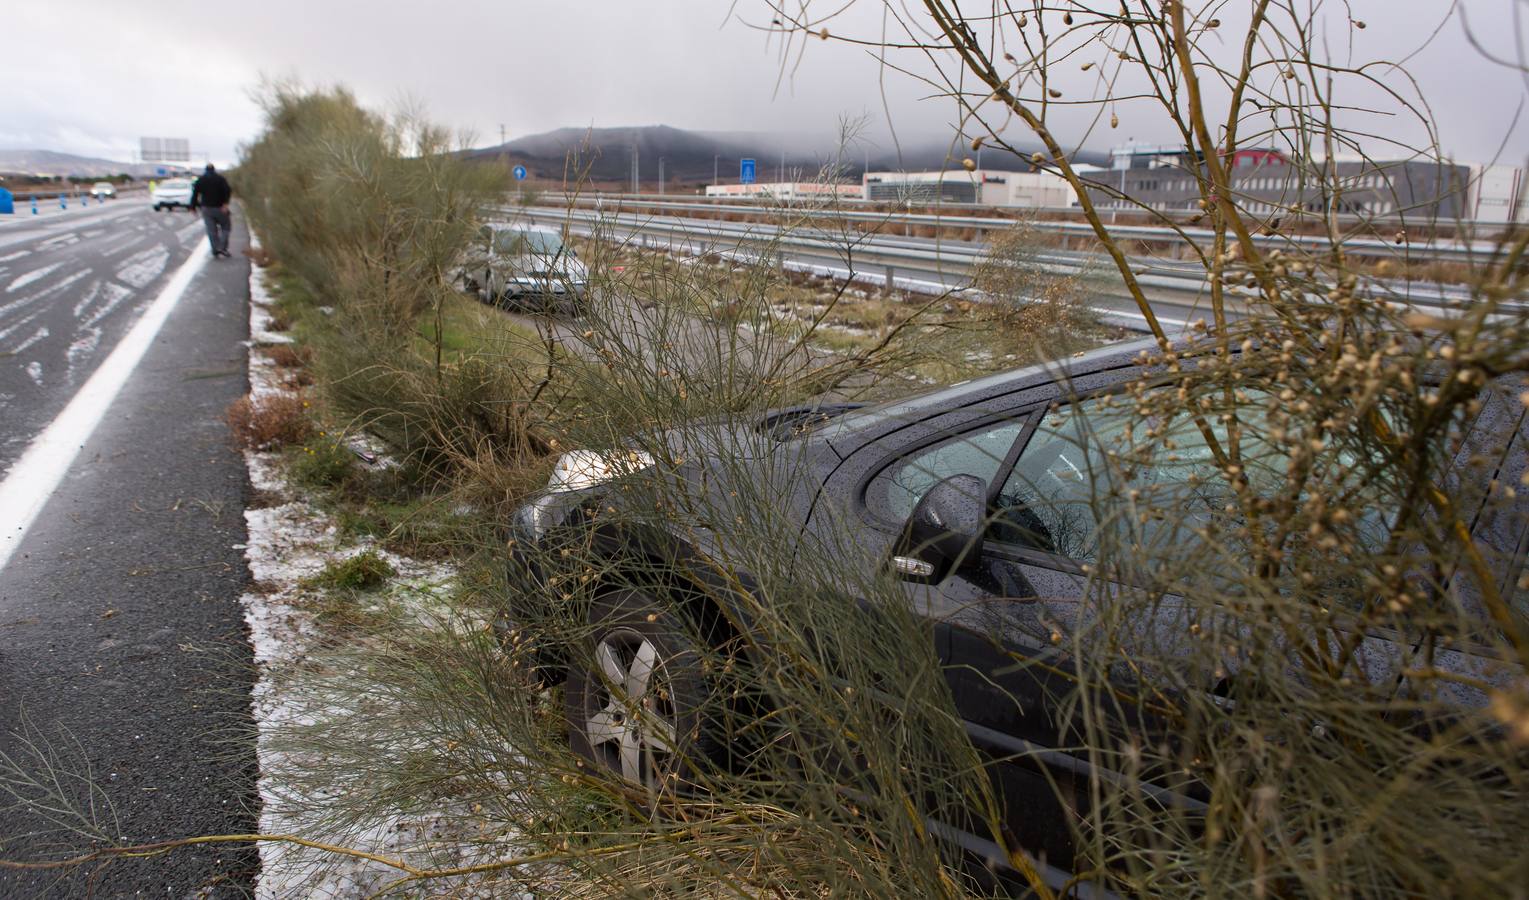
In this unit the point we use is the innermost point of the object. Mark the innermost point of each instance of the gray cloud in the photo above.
(107, 72)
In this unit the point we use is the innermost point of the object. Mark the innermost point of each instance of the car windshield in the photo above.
(542, 243)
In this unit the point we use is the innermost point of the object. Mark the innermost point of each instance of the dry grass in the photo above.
(270, 422)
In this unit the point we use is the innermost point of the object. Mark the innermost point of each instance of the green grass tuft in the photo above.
(366, 571)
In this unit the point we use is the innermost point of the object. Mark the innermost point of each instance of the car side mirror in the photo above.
(946, 527)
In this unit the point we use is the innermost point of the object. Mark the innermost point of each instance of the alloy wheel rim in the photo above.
(631, 726)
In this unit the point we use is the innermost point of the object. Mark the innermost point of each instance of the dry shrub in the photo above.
(281, 320)
(1027, 300)
(289, 356)
(269, 422)
(260, 256)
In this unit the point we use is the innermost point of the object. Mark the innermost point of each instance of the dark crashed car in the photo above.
(974, 495)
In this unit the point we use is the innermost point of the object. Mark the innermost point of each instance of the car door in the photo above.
(993, 620)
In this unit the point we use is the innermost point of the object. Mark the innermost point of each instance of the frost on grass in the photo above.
(313, 681)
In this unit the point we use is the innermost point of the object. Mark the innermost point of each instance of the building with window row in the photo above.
(982, 187)
(1269, 183)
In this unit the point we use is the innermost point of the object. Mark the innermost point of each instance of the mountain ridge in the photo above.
(54, 162)
(691, 156)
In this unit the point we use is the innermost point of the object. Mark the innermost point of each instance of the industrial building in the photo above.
(1497, 194)
(789, 191)
(982, 187)
(1266, 182)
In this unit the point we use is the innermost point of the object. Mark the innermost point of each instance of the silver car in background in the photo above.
(522, 266)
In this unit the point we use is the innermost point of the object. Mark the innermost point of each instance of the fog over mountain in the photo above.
(691, 157)
(51, 162)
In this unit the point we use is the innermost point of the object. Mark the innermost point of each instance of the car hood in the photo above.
(565, 268)
(716, 474)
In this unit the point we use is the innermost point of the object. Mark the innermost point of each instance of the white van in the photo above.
(172, 193)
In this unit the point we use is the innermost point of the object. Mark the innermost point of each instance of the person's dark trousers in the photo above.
(218, 223)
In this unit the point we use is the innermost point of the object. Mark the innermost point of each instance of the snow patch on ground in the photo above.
(114, 294)
(30, 277)
(144, 266)
(81, 348)
(34, 372)
(19, 324)
(289, 542)
(89, 298)
(261, 320)
(38, 335)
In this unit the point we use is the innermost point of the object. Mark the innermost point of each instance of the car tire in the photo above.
(635, 696)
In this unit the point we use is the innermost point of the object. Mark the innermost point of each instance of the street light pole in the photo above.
(714, 170)
(660, 174)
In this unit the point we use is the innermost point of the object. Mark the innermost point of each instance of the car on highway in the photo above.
(527, 267)
(977, 497)
(103, 190)
(172, 193)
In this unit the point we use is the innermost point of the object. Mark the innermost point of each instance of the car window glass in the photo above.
(517, 243)
(1046, 500)
(978, 453)
(1063, 486)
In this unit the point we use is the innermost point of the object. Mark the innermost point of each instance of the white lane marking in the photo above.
(34, 477)
(17, 255)
(30, 277)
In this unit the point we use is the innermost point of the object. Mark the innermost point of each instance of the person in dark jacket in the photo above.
(211, 194)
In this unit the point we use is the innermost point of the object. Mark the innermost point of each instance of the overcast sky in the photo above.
(91, 76)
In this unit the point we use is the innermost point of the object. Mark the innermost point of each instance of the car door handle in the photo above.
(911, 567)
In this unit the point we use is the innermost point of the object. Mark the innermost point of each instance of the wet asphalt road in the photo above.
(70, 285)
(122, 643)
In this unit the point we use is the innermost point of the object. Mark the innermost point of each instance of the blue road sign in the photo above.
(520, 173)
(161, 171)
(746, 170)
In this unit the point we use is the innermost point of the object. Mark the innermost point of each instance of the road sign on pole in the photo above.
(520, 173)
(746, 170)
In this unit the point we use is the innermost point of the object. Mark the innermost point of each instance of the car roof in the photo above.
(863, 425)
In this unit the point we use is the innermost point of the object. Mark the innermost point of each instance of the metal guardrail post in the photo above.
(891, 276)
